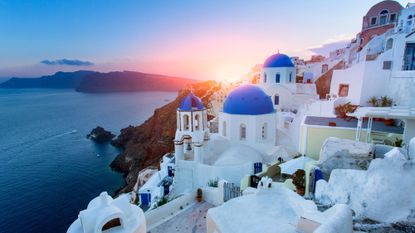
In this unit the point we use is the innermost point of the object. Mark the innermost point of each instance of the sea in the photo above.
(49, 170)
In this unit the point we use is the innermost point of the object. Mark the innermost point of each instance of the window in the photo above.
(242, 132)
(264, 131)
(409, 59)
(389, 43)
(383, 16)
(186, 122)
(290, 78)
(343, 90)
(265, 77)
(373, 21)
(224, 128)
(392, 18)
(324, 68)
(387, 65)
(197, 122)
(277, 78)
(276, 99)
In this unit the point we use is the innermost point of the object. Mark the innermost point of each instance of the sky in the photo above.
(201, 39)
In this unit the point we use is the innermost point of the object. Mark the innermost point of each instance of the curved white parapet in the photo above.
(105, 212)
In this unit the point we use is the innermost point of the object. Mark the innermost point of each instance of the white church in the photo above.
(246, 136)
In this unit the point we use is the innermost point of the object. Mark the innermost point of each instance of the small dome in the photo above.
(248, 100)
(191, 102)
(278, 60)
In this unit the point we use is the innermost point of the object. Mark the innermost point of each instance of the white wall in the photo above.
(352, 76)
(214, 195)
(284, 75)
(402, 83)
(365, 79)
(190, 175)
(253, 125)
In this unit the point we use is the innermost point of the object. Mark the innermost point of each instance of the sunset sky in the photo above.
(210, 39)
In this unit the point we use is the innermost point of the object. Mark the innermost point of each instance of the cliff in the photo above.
(96, 82)
(145, 145)
(57, 80)
(131, 81)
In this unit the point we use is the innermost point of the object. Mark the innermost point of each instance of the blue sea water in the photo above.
(49, 171)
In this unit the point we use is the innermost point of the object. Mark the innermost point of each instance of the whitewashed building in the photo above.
(105, 214)
(246, 136)
(278, 79)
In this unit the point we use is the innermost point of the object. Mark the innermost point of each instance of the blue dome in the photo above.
(191, 102)
(248, 100)
(278, 60)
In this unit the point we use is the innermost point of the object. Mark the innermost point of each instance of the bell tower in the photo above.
(192, 132)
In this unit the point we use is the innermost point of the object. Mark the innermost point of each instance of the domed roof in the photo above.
(278, 60)
(248, 100)
(191, 102)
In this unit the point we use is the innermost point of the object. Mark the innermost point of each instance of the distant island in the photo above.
(96, 82)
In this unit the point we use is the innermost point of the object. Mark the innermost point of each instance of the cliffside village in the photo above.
(323, 145)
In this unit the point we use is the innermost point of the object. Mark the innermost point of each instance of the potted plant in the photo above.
(373, 101)
(199, 194)
(299, 181)
(385, 101)
(399, 142)
(342, 110)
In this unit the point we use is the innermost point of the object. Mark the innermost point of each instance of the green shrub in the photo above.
(213, 183)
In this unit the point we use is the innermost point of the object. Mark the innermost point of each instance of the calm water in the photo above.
(49, 171)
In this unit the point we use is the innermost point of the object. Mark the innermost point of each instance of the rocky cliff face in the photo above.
(145, 145)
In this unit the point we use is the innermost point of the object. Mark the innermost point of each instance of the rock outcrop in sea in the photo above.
(100, 135)
(145, 145)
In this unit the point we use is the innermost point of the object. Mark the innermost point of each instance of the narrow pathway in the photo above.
(192, 220)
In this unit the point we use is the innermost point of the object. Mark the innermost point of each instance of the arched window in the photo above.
(224, 128)
(265, 77)
(185, 122)
(264, 131)
(111, 224)
(290, 77)
(242, 132)
(383, 17)
(389, 43)
(277, 78)
(197, 122)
